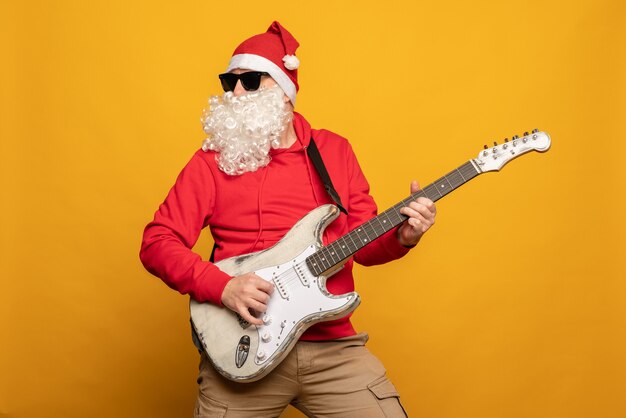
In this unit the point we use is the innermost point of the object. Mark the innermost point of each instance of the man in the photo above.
(250, 183)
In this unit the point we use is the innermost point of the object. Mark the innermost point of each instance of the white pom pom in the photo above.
(291, 62)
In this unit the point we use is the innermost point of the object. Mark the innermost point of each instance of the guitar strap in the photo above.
(316, 158)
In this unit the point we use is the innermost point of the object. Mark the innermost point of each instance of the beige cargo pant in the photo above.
(338, 378)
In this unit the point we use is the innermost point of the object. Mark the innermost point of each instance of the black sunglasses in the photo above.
(250, 80)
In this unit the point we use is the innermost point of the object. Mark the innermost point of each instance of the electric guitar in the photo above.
(298, 265)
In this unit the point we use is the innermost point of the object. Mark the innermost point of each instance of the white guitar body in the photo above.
(244, 352)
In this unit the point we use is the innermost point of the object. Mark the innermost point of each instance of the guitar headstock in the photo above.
(494, 158)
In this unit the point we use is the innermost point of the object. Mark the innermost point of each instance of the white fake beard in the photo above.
(242, 129)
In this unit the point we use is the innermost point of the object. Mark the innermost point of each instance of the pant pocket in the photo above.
(207, 407)
(383, 388)
(388, 397)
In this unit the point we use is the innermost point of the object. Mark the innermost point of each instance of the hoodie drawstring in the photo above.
(260, 210)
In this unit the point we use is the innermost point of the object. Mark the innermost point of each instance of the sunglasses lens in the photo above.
(250, 81)
(229, 81)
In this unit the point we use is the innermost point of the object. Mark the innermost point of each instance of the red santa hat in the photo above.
(272, 52)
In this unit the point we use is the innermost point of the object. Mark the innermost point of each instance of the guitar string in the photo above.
(453, 179)
(290, 275)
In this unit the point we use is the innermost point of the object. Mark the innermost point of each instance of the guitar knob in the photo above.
(266, 337)
(260, 355)
(267, 319)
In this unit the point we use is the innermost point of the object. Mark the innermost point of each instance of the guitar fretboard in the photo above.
(343, 248)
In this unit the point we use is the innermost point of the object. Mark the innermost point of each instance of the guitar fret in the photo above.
(429, 192)
(343, 246)
(332, 255)
(361, 239)
(387, 221)
(370, 227)
(320, 259)
(358, 237)
(381, 225)
(442, 190)
(398, 217)
(376, 226)
(323, 260)
(460, 174)
(456, 178)
(355, 247)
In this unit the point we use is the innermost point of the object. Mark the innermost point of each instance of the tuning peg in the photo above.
(525, 133)
(486, 147)
(495, 144)
(506, 140)
(535, 130)
(514, 137)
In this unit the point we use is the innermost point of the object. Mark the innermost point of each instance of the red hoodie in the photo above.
(253, 211)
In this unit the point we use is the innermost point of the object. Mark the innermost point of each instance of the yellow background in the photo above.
(513, 305)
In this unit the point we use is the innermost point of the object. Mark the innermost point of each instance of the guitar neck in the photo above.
(338, 251)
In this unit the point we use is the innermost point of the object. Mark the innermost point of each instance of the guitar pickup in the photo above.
(299, 268)
(280, 286)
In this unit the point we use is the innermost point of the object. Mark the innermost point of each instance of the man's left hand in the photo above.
(421, 215)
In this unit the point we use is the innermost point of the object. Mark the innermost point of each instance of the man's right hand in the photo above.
(246, 292)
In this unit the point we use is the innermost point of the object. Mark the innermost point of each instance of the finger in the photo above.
(257, 306)
(419, 227)
(417, 212)
(264, 285)
(260, 296)
(427, 203)
(426, 207)
(245, 314)
(415, 186)
(416, 223)
(419, 223)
